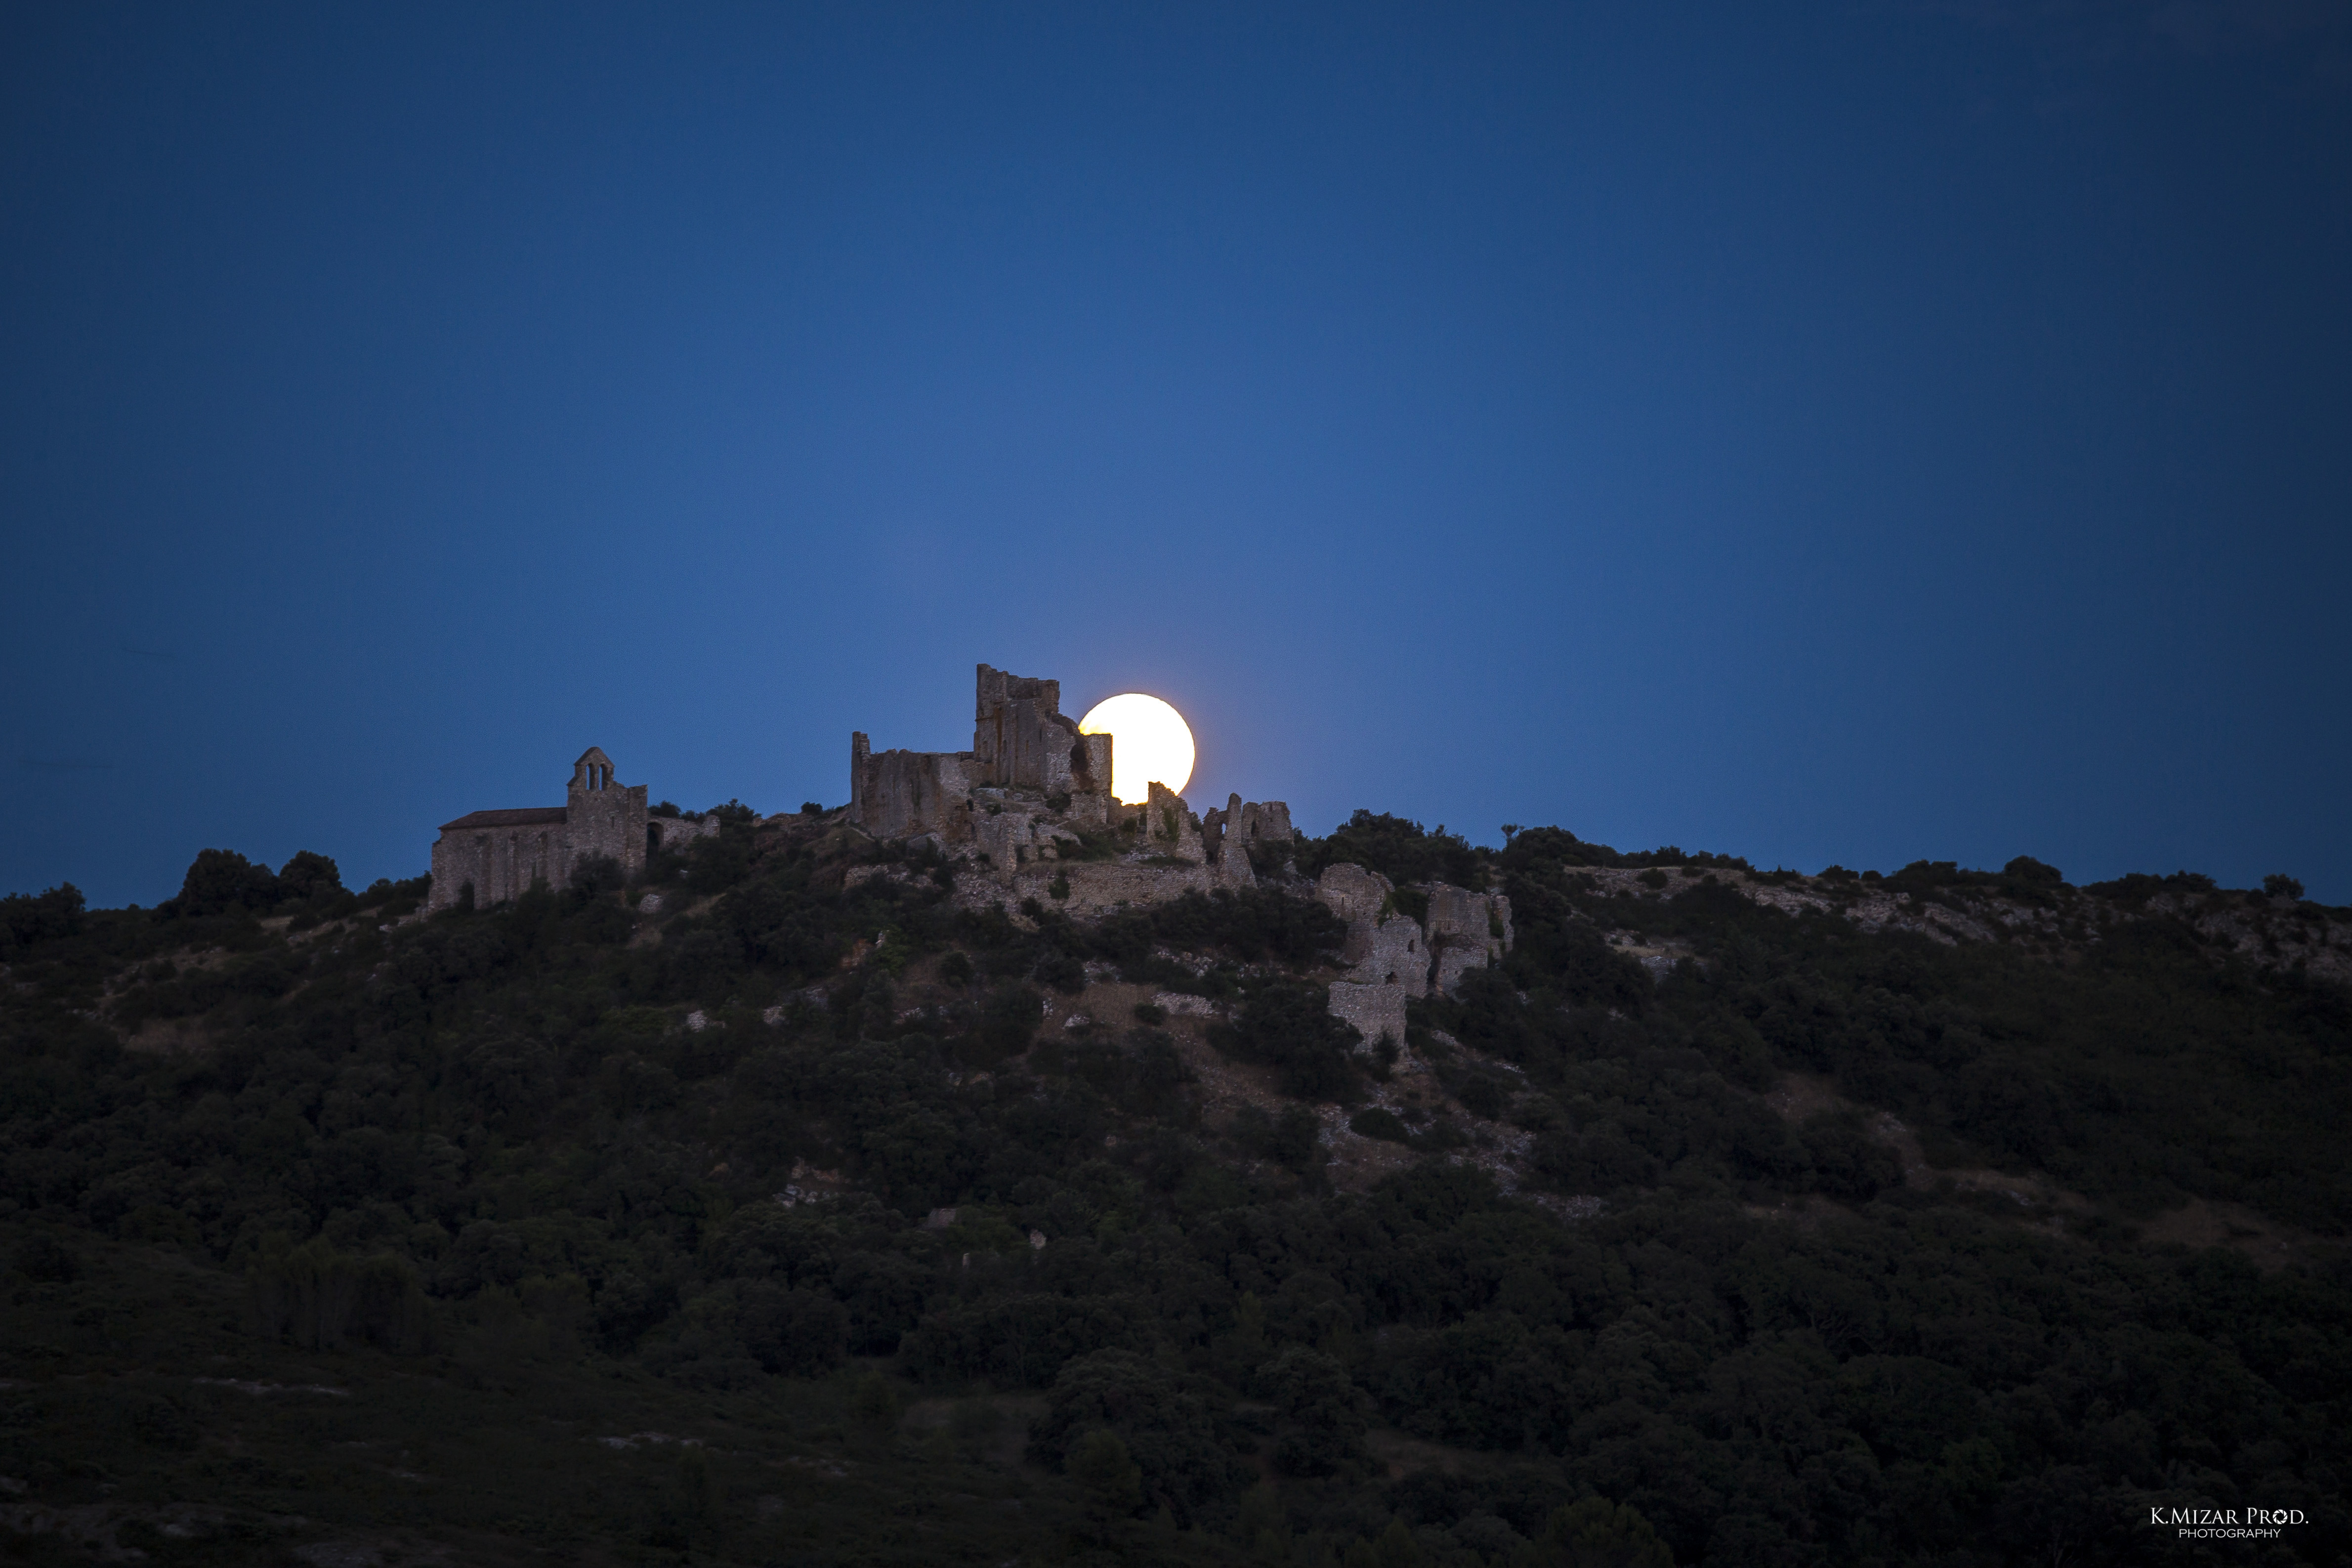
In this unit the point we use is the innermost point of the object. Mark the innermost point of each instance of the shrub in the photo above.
(1287, 1025)
(27, 919)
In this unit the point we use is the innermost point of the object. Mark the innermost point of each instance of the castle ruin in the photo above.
(1030, 809)
(499, 854)
(1027, 819)
(1027, 815)
(1020, 740)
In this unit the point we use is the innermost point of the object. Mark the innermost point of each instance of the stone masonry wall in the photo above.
(905, 795)
(501, 853)
(603, 817)
(1391, 958)
(674, 833)
(1021, 741)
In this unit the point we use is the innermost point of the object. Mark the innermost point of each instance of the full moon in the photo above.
(1151, 743)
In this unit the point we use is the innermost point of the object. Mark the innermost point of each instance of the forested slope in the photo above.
(792, 1218)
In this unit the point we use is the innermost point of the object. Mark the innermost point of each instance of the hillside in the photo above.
(775, 1208)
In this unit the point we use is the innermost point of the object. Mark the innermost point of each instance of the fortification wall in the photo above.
(1096, 888)
(672, 834)
(905, 795)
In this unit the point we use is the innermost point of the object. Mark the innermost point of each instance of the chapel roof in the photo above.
(518, 816)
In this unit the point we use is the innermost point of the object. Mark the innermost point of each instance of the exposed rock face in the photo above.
(1010, 830)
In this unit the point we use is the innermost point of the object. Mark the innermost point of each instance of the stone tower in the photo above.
(603, 816)
(1021, 739)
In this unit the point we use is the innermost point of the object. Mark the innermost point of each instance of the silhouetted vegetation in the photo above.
(841, 1184)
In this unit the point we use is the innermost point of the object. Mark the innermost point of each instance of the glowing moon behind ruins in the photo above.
(1151, 743)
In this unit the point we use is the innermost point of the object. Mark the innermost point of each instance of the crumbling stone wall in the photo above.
(673, 834)
(1021, 739)
(1026, 808)
(1466, 930)
(1229, 832)
(905, 795)
(1166, 827)
(1081, 890)
(499, 854)
(1391, 957)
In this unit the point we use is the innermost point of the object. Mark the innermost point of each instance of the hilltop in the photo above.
(806, 1195)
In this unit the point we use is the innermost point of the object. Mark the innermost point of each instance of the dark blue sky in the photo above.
(1874, 434)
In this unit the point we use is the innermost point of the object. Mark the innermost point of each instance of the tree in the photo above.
(308, 876)
(1289, 1026)
(1168, 1433)
(1595, 1533)
(221, 881)
(1113, 1486)
(1322, 1430)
